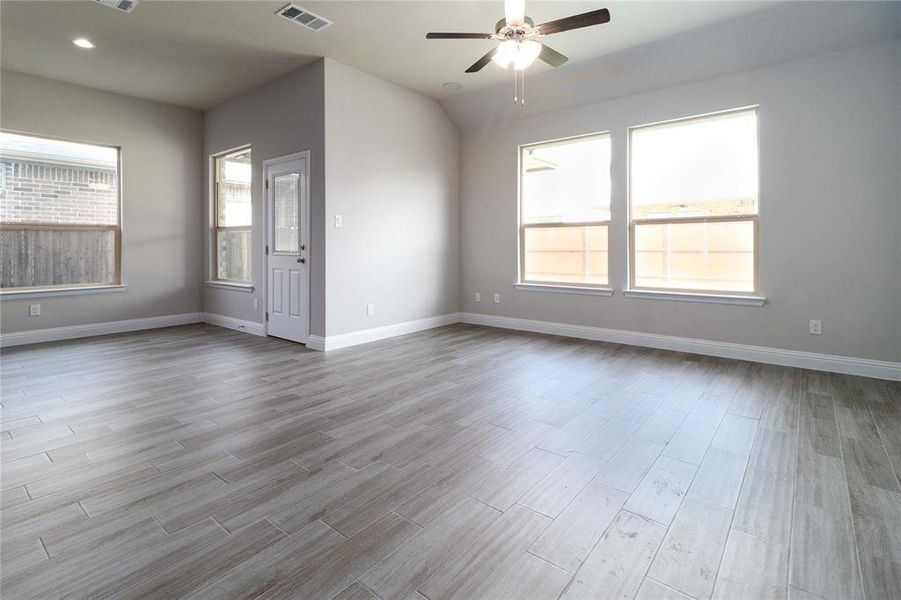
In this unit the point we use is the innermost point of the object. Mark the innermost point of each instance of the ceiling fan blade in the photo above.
(480, 64)
(595, 17)
(458, 36)
(515, 12)
(551, 56)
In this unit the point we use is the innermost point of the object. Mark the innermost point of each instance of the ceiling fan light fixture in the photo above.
(528, 51)
(518, 54)
(507, 53)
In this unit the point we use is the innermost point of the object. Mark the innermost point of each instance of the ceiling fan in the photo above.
(519, 37)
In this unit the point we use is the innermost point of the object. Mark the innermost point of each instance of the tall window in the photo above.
(693, 195)
(233, 216)
(565, 211)
(59, 213)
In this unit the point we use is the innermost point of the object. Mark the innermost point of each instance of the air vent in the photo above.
(302, 16)
(123, 5)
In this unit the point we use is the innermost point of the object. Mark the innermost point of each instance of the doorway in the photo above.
(287, 186)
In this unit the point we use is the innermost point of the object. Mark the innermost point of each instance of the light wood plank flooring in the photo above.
(463, 462)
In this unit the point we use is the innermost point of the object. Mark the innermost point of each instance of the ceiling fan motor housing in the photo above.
(513, 32)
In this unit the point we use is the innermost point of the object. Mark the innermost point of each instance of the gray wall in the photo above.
(830, 206)
(392, 174)
(161, 154)
(279, 118)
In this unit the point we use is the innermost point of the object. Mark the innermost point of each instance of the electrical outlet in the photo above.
(256, 304)
(497, 298)
(816, 327)
(34, 310)
(478, 296)
(339, 221)
(370, 309)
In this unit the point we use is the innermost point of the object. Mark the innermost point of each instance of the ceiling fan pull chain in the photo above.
(522, 89)
(515, 88)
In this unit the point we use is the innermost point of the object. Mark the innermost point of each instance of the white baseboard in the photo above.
(52, 334)
(354, 338)
(251, 327)
(316, 342)
(774, 356)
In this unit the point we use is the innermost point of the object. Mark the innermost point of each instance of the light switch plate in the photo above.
(339, 221)
(34, 310)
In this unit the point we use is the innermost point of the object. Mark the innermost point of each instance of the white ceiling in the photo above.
(200, 53)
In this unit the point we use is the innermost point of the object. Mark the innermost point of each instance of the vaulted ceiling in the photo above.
(200, 53)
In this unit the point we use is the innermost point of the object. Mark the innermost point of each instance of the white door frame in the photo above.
(267, 237)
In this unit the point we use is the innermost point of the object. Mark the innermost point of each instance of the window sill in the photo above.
(229, 285)
(563, 289)
(690, 297)
(70, 291)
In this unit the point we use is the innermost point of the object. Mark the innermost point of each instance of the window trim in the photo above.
(754, 296)
(229, 285)
(708, 298)
(598, 289)
(564, 289)
(69, 289)
(214, 222)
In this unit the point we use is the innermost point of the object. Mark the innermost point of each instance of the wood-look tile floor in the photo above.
(464, 462)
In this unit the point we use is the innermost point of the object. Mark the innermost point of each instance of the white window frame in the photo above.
(215, 281)
(523, 284)
(687, 293)
(75, 289)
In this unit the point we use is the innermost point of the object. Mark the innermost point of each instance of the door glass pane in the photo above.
(715, 256)
(287, 213)
(233, 247)
(566, 254)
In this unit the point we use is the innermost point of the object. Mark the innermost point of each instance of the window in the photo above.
(233, 216)
(59, 213)
(693, 204)
(565, 211)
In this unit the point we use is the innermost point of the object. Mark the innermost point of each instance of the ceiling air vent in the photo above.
(302, 16)
(123, 5)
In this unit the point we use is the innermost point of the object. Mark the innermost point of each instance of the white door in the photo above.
(287, 245)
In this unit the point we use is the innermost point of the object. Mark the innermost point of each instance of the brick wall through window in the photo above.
(47, 193)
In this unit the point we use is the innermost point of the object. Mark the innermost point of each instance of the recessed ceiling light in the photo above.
(83, 43)
(452, 86)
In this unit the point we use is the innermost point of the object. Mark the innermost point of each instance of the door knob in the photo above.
(301, 259)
